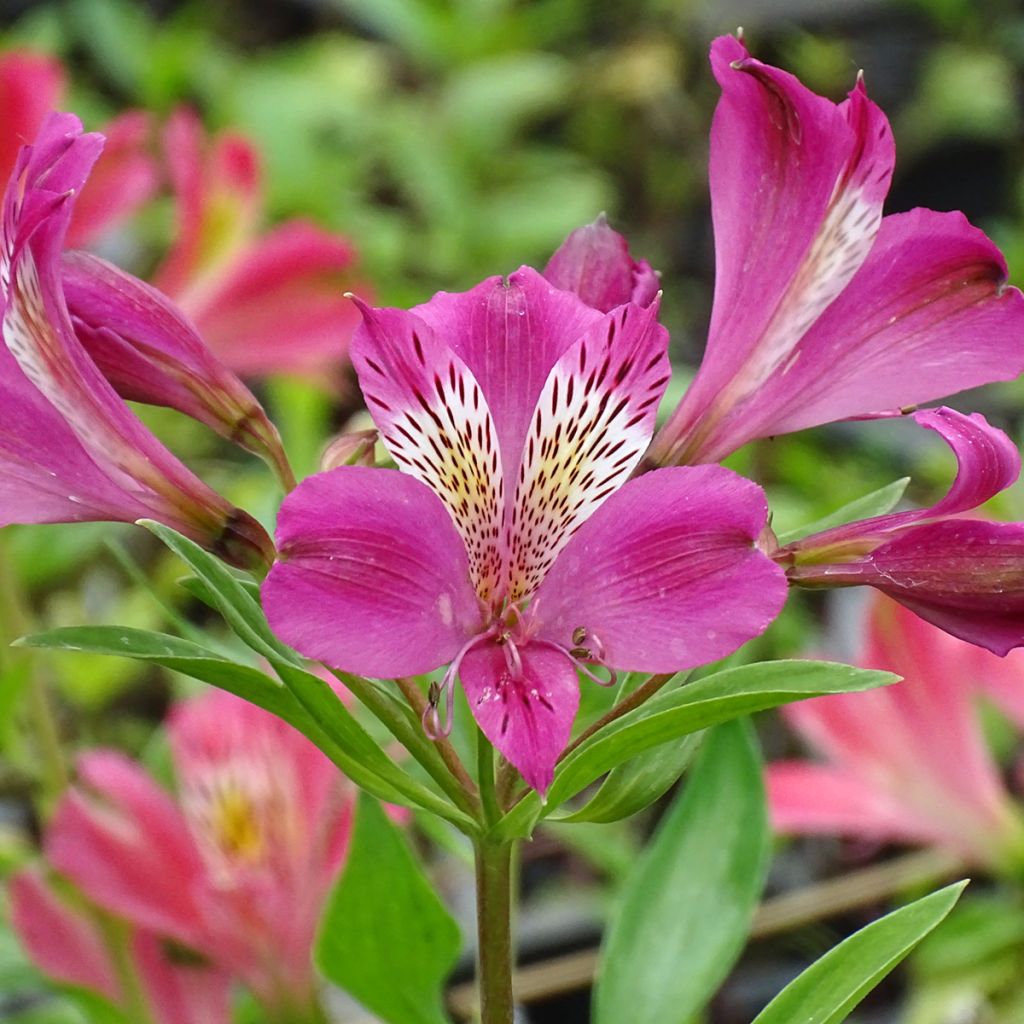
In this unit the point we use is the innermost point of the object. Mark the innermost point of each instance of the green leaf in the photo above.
(308, 704)
(832, 987)
(683, 915)
(668, 716)
(877, 503)
(385, 937)
(639, 782)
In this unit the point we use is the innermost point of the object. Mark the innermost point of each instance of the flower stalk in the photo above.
(494, 931)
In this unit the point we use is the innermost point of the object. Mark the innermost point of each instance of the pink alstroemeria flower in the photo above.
(964, 575)
(264, 303)
(905, 763)
(514, 547)
(825, 310)
(71, 449)
(71, 947)
(31, 85)
(238, 868)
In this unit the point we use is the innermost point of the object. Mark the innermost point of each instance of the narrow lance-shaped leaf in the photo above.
(385, 936)
(831, 988)
(683, 915)
(876, 503)
(717, 698)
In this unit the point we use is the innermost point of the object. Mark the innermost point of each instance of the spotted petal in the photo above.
(666, 574)
(372, 576)
(434, 419)
(525, 710)
(592, 423)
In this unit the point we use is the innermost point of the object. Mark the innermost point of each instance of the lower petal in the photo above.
(525, 701)
(666, 574)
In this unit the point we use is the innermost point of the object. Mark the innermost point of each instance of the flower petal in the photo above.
(594, 263)
(372, 577)
(593, 421)
(794, 219)
(527, 716)
(965, 576)
(818, 800)
(279, 307)
(181, 993)
(125, 177)
(510, 333)
(666, 573)
(436, 424)
(39, 333)
(61, 941)
(150, 353)
(927, 315)
(122, 840)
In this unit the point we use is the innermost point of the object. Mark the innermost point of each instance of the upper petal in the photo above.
(666, 573)
(510, 332)
(797, 185)
(594, 263)
(987, 463)
(435, 421)
(593, 420)
(527, 709)
(373, 577)
(125, 177)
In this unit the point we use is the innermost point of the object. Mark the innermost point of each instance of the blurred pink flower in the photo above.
(905, 763)
(238, 867)
(126, 176)
(72, 946)
(267, 302)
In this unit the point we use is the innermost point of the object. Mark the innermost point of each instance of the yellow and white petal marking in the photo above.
(593, 421)
(435, 422)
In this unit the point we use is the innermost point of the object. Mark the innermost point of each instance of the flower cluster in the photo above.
(225, 882)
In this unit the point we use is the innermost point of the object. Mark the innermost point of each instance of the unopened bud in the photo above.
(353, 449)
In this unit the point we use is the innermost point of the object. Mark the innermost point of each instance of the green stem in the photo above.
(494, 931)
(485, 779)
(117, 937)
(414, 740)
(15, 622)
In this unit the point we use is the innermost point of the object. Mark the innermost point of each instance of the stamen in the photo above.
(433, 726)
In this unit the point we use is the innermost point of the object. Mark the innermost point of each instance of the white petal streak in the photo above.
(591, 425)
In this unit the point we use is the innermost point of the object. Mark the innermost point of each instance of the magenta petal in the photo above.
(372, 577)
(527, 716)
(510, 333)
(666, 573)
(30, 87)
(987, 463)
(61, 941)
(927, 315)
(965, 576)
(181, 993)
(150, 353)
(797, 185)
(593, 421)
(594, 263)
